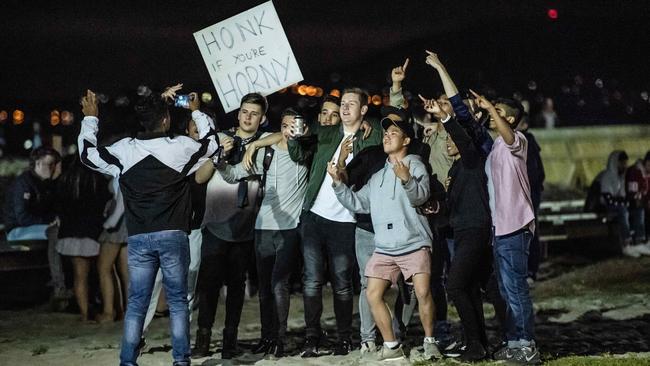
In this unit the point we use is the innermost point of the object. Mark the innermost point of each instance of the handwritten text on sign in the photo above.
(247, 53)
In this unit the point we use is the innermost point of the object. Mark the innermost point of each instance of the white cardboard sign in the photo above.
(247, 53)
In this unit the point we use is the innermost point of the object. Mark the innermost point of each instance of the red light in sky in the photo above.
(552, 14)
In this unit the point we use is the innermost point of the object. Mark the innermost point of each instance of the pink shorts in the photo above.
(388, 267)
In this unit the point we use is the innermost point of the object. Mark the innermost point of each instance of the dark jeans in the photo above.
(511, 268)
(469, 269)
(327, 244)
(276, 253)
(222, 263)
(169, 251)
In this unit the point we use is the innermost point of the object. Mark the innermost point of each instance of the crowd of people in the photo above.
(426, 200)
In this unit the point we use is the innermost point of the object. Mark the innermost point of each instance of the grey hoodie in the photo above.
(399, 229)
(611, 181)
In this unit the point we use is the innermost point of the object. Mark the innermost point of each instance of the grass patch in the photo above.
(608, 278)
(39, 350)
(605, 360)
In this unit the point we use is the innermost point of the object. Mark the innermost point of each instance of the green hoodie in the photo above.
(329, 139)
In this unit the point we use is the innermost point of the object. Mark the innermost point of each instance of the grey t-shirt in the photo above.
(286, 182)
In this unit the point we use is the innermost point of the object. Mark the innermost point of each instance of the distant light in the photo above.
(18, 117)
(67, 118)
(311, 91)
(319, 92)
(3, 116)
(206, 97)
(143, 91)
(102, 98)
(376, 100)
(552, 14)
(302, 90)
(28, 144)
(335, 93)
(122, 101)
(55, 117)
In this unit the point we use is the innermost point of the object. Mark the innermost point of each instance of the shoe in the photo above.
(310, 349)
(277, 350)
(368, 349)
(431, 350)
(454, 350)
(391, 354)
(505, 353)
(343, 347)
(141, 346)
(202, 346)
(474, 351)
(642, 249)
(229, 346)
(630, 251)
(525, 356)
(263, 346)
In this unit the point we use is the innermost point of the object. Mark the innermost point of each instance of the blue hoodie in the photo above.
(399, 229)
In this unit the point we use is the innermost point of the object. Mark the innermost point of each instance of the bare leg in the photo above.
(81, 266)
(107, 254)
(375, 293)
(124, 275)
(425, 302)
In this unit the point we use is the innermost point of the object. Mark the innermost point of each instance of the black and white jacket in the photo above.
(153, 172)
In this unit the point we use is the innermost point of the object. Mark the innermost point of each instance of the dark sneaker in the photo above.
(263, 346)
(141, 346)
(202, 346)
(454, 350)
(525, 356)
(277, 350)
(310, 349)
(505, 353)
(474, 351)
(343, 347)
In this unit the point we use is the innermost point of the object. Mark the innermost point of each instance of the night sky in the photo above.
(51, 53)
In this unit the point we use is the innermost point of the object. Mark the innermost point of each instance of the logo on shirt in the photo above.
(390, 226)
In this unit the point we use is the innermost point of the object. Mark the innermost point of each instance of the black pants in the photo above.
(469, 269)
(222, 263)
(276, 253)
(330, 244)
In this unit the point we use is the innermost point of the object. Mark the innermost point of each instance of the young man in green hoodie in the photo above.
(328, 228)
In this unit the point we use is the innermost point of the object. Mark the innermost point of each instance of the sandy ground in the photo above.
(591, 318)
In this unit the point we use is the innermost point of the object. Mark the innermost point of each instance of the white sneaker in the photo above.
(368, 349)
(643, 249)
(630, 251)
(390, 354)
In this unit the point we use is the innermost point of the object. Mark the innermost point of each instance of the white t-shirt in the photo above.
(326, 204)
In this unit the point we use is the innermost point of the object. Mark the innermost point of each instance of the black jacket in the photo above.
(29, 201)
(467, 198)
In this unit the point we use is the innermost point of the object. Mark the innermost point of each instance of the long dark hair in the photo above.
(77, 181)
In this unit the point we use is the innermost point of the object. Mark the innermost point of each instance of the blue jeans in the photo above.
(511, 268)
(168, 250)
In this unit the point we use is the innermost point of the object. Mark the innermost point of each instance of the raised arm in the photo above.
(397, 75)
(358, 202)
(100, 159)
(503, 128)
(251, 149)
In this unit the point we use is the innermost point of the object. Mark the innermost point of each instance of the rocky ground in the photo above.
(587, 313)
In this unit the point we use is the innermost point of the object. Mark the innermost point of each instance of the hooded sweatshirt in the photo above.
(399, 229)
(612, 182)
